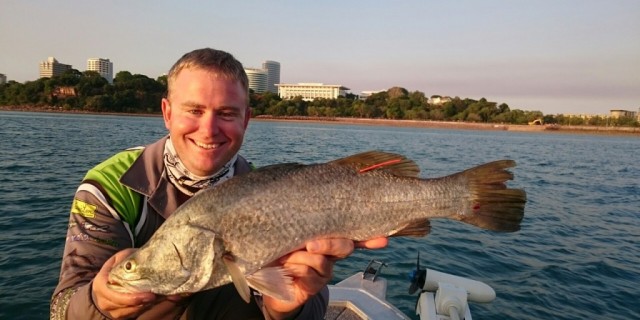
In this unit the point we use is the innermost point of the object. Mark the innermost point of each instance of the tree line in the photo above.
(136, 93)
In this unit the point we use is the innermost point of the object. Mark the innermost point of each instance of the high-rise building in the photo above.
(3, 79)
(51, 68)
(257, 79)
(102, 66)
(273, 74)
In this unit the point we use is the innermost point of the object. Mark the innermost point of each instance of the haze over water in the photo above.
(577, 255)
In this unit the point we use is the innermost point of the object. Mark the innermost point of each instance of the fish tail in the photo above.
(492, 205)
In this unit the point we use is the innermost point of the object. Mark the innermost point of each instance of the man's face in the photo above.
(206, 116)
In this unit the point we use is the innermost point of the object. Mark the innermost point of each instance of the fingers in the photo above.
(376, 243)
(335, 247)
(341, 248)
(304, 264)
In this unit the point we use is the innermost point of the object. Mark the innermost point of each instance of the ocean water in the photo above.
(577, 255)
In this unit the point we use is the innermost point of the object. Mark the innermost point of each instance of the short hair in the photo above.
(218, 61)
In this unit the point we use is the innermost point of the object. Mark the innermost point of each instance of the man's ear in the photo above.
(247, 116)
(166, 112)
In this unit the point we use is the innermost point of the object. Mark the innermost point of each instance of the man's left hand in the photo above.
(312, 269)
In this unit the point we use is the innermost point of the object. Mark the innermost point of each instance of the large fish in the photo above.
(232, 232)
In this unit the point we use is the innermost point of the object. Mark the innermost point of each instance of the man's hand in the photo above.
(312, 270)
(116, 304)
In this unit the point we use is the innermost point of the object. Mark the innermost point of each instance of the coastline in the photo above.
(587, 130)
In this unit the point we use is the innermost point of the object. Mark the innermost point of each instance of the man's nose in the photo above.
(210, 124)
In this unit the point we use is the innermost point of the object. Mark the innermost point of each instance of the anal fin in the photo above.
(275, 282)
(415, 228)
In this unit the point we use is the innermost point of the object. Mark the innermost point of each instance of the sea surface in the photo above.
(576, 257)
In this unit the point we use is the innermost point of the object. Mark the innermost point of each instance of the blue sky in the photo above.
(555, 56)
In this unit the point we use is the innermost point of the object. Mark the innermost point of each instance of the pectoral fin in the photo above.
(238, 278)
(275, 282)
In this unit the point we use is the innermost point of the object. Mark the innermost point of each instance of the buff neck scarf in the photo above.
(188, 182)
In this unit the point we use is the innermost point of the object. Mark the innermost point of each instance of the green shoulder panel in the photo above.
(108, 173)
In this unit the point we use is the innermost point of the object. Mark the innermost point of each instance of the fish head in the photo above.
(171, 263)
(143, 271)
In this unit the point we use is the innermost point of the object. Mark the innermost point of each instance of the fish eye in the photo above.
(130, 266)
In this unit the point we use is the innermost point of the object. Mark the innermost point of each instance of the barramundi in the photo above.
(233, 232)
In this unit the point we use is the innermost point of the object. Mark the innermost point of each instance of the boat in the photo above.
(442, 296)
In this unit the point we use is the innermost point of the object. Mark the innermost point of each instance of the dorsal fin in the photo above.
(378, 160)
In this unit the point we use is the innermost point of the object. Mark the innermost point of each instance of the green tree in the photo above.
(91, 84)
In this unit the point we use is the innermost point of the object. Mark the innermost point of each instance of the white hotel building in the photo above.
(311, 91)
(265, 79)
(258, 79)
(102, 66)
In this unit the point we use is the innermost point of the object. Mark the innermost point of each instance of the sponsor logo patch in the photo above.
(89, 226)
(84, 209)
(86, 237)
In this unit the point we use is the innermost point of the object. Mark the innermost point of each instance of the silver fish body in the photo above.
(238, 228)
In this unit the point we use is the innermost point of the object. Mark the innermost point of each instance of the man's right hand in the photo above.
(115, 304)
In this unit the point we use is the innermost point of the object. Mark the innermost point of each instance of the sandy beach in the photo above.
(464, 125)
(595, 130)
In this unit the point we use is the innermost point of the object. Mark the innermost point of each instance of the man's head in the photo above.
(206, 109)
(220, 62)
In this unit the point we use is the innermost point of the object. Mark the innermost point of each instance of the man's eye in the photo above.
(195, 111)
(228, 115)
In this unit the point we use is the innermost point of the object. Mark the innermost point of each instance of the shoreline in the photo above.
(587, 130)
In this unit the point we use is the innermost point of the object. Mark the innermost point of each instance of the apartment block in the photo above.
(51, 68)
(102, 66)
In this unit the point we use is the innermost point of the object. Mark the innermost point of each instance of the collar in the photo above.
(147, 177)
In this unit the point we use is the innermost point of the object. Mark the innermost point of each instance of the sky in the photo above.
(554, 56)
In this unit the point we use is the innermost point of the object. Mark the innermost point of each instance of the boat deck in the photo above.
(358, 298)
(341, 313)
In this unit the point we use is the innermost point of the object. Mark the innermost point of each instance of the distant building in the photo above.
(438, 100)
(273, 74)
(311, 91)
(258, 79)
(102, 66)
(615, 114)
(51, 68)
(265, 79)
(64, 92)
(366, 94)
(3, 79)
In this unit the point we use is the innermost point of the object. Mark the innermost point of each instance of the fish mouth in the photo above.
(124, 287)
(128, 286)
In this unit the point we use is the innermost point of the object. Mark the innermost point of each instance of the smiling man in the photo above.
(207, 114)
(129, 196)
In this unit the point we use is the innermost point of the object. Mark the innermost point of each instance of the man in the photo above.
(122, 202)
